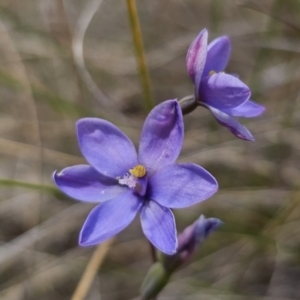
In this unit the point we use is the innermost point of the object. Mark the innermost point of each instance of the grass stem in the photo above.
(140, 54)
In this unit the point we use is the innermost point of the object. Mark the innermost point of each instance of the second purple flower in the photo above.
(224, 95)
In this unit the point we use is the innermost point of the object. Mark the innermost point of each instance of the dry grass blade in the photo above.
(91, 270)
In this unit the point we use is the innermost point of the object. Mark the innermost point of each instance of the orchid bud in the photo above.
(160, 273)
(188, 240)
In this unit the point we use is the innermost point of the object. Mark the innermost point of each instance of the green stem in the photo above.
(23, 184)
(140, 54)
(188, 104)
(153, 253)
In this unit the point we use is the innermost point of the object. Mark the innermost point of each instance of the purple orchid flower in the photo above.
(127, 183)
(224, 95)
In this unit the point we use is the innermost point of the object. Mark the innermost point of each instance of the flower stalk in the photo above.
(188, 104)
(140, 54)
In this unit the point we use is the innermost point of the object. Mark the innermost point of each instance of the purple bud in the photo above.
(188, 240)
(195, 234)
(160, 273)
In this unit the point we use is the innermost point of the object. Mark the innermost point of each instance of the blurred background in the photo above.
(61, 60)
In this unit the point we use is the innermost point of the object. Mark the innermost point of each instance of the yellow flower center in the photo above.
(138, 171)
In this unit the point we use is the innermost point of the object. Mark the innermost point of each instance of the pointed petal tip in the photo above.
(83, 183)
(85, 242)
(81, 240)
(55, 178)
(57, 174)
(248, 138)
(203, 227)
(211, 224)
(230, 123)
(81, 122)
(215, 222)
(223, 40)
(196, 57)
(173, 102)
(202, 32)
(262, 110)
(170, 251)
(244, 134)
(249, 109)
(54, 174)
(82, 243)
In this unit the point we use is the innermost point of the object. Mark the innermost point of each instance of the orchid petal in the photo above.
(223, 91)
(158, 225)
(196, 57)
(231, 124)
(106, 147)
(218, 54)
(181, 185)
(162, 136)
(249, 109)
(84, 183)
(109, 218)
